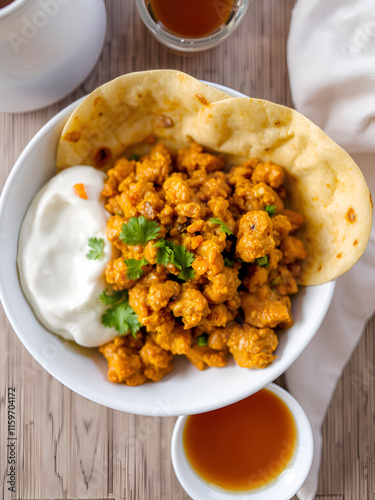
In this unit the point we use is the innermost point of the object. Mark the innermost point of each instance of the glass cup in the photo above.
(190, 44)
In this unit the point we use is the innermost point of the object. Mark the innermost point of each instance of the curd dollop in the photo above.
(60, 282)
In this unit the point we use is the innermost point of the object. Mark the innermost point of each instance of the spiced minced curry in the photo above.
(207, 261)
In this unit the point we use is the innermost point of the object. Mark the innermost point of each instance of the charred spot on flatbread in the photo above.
(102, 157)
(73, 136)
(202, 99)
(351, 216)
(97, 100)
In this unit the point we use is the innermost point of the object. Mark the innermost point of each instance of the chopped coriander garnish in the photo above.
(271, 210)
(134, 157)
(183, 259)
(187, 274)
(228, 262)
(134, 268)
(169, 252)
(223, 226)
(262, 261)
(202, 340)
(120, 315)
(122, 318)
(138, 231)
(110, 298)
(165, 251)
(96, 248)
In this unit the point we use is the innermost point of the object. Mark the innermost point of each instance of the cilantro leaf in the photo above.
(122, 317)
(181, 258)
(134, 268)
(186, 274)
(163, 255)
(228, 262)
(169, 252)
(165, 251)
(112, 298)
(139, 231)
(270, 209)
(223, 226)
(96, 248)
(134, 157)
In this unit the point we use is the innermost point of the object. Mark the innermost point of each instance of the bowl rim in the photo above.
(75, 385)
(14, 172)
(11, 8)
(199, 489)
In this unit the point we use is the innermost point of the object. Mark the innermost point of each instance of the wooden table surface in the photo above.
(71, 448)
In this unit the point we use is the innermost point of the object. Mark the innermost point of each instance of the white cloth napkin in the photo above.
(331, 61)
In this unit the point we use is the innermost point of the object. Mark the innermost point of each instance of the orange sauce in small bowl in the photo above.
(191, 18)
(244, 445)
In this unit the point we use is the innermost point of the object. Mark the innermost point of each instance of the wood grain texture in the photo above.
(71, 448)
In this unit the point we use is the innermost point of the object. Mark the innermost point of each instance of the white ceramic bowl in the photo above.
(47, 49)
(185, 390)
(282, 488)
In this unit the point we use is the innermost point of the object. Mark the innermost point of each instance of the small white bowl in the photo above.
(185, 390)
(47, 49)
(281, 488)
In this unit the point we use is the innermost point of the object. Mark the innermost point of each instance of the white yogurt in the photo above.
(60, 282)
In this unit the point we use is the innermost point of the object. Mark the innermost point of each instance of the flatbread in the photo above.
(324, 183)
(129, 109)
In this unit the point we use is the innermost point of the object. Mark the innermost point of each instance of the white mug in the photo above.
(47, 48)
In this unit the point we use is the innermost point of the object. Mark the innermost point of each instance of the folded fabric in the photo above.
(313, 377)
(331, 62)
